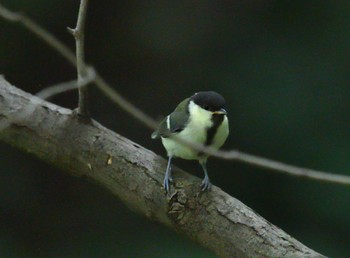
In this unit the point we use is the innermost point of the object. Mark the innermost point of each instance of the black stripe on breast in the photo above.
(211, 131)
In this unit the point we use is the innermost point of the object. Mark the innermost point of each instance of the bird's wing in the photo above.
(173, 123)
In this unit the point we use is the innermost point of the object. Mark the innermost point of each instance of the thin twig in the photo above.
(280, 167)
(79, 35)
(40, 32)
(151, 123)
(55, 43)
(124, 103)
(56, 89)
(59, 88)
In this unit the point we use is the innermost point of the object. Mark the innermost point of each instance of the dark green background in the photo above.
(283, 67)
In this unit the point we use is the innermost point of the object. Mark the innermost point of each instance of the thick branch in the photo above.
(137, 113)
(134, 174)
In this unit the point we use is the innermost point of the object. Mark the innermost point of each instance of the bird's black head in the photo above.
(209, 100)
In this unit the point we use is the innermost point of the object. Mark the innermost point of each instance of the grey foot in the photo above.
(170, 175)
(206, 184)
(166, 183)
(167, 178)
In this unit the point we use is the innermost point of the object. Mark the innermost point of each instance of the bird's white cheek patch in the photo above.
(200, 117)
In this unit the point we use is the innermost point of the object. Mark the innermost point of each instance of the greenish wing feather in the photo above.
(178, 120)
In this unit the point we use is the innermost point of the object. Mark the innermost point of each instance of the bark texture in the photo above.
(134, 174)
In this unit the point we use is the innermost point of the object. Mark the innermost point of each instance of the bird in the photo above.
(202, 119)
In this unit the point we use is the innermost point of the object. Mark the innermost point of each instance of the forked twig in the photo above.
(79, 34)
(151, 123)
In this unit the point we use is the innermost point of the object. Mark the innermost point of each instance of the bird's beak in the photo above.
(220, 112)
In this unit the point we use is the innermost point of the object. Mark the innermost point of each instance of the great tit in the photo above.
(200, 118)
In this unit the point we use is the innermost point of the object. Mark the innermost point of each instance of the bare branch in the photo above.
(79, 35)
(53, 42)
(271, 165)
(134, 174)
(40, 32)
(151, 123)
(51, 91)
(283, 168)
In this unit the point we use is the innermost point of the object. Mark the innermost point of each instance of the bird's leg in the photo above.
(167, 176)
(206, 184)
(170, 174)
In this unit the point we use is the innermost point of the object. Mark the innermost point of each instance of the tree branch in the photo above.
(79, 34)
(146, 120)
(134, 174)
(59, 88)
(40, 32)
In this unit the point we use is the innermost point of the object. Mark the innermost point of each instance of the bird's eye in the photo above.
(206, 108)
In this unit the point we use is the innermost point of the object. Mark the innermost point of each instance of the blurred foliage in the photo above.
(283, 67)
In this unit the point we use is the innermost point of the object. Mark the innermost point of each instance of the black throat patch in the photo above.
(211, 131)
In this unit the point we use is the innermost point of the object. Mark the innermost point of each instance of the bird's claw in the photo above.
(170, 178)
(167, 178)
(166, 183)
(206, 184)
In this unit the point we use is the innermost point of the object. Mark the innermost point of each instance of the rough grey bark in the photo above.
(134, 174)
